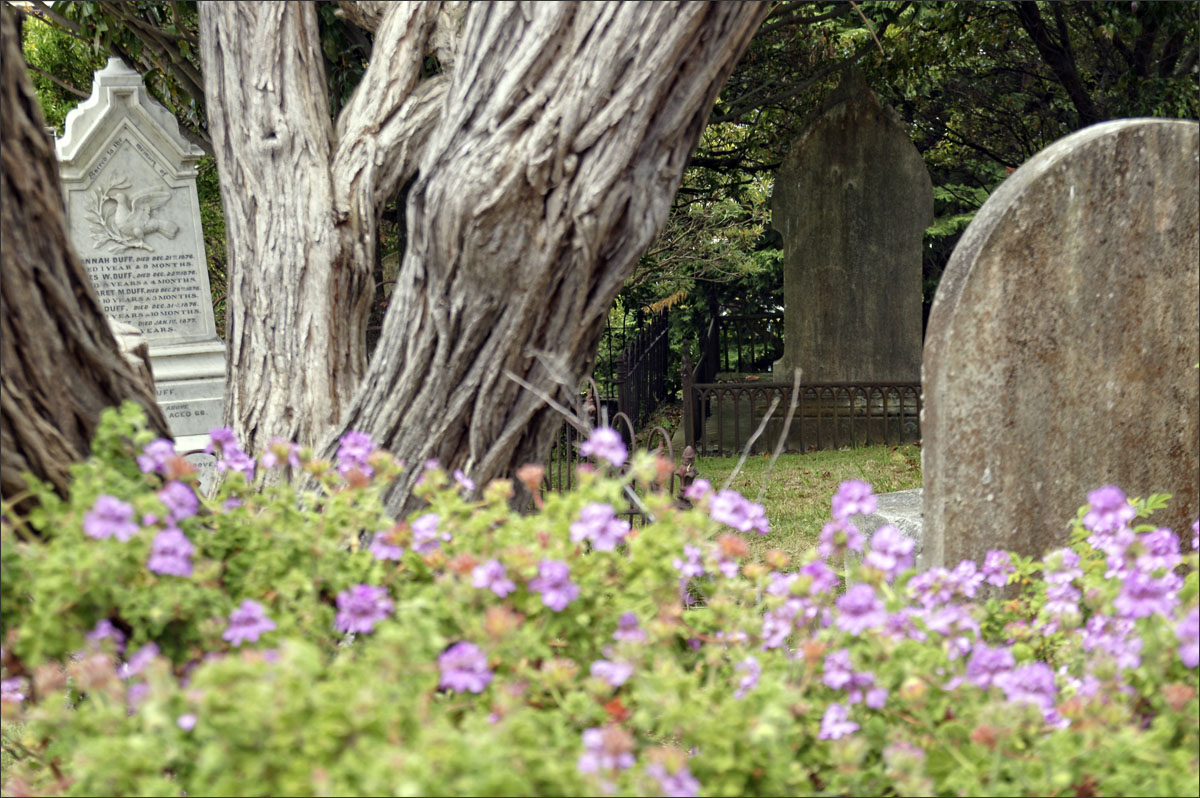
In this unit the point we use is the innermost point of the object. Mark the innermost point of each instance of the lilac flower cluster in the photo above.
(605, 443)
(615, 673)
(605, 750)
(492, 576)
(733, 509)
(464, 668)
(554, 583)
(891, 552)
(383, 547)
(628, 629)
(598, 523)
(426, 536)
(110, 518)
(155, 456)
(354, 449)
(230, 456)
(680, 784)
(361, 607)
(171, 553)
(247, 623)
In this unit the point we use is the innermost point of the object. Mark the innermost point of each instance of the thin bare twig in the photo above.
(787, 426)
(58, 81)
(870, 28)
(570, 416)
(750, 443)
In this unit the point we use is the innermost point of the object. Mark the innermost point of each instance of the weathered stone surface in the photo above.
(129, 182)
(901, 509)
(1061, 348)
(852, 200)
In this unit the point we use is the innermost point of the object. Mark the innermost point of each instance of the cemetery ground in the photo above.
(795, 491)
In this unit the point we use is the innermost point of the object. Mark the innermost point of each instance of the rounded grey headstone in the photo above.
(1061, 348)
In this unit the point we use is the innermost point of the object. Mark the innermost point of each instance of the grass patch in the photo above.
(799, 487)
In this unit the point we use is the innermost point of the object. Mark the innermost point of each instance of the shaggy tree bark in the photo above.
(546, 154)
(62, 365)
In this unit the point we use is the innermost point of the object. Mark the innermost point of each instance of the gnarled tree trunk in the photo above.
(546, 154)
(61, 364)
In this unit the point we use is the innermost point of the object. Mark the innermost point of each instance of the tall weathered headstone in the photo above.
(852, 200)
(1062, 344)
(129, 180)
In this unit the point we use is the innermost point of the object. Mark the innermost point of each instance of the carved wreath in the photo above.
(121, 220)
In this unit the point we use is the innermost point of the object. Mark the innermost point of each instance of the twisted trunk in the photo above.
(62, 366)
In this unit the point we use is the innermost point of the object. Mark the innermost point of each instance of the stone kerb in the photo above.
(129, 185)
(1061, 347)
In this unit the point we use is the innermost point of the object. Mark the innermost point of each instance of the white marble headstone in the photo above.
(129, 181)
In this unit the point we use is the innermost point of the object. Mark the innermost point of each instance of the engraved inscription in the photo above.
(158, 294)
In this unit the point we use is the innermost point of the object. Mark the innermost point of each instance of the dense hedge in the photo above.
(267, 642)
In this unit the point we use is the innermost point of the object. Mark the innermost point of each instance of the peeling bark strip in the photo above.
(61, 363)
(567, 127)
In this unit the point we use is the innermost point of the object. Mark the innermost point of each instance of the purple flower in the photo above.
(1188, 633)
(171, 553)
(953, 622)
(463, 480)
(751, 670)
(154, 456)
(598, 523)
(361, 607)
(12, 690)
(860, 609)
(680, 784)
(104, 628)
(781, 584)
(464, 668)
(187, 722)
(615, 673)
(1196, 534)
(1062, 599)
(110, 517)
(836, 723)
(382, 547)
(1062, 567)
(606, 749)
(554, 583)
(628, 629)
(853, 497)
(425, 533)
(230, 456)
(891, 552)
(1108, 510)
(838, 536)
(180, 500)
(354, 449)
(997, 565)
(491, 575)
(279, 452)
(733, 509)
(606, 444)
(823, 579)
(247, 623)
(1143, 595)
(876, 698)
(900, 625)
(966, 579)
(986, 664)
(138, 662)
(839, 673)
(1031, 684)
(1160, 551)
(692, 566)
(1115, 637)
(699, 488)
(777, 624)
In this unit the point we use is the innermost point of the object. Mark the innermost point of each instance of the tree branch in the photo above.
(62, 83)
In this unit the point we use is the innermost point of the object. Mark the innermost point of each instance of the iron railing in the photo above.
(720, 418)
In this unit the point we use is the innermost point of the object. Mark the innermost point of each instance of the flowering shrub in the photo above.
(268, 642)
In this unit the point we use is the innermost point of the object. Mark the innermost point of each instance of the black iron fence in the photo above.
(720, 418)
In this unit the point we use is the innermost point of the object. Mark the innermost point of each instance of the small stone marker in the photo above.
(129, 181)
(852, 200)
(1061, 348)
(901, 509)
